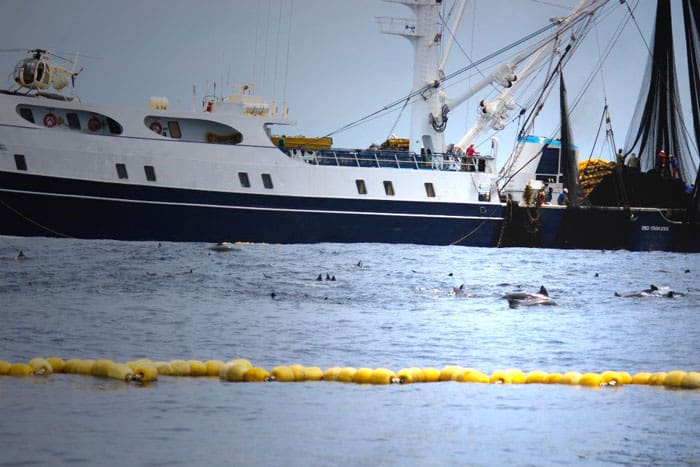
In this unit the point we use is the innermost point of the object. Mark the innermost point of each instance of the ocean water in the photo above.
(390, 306)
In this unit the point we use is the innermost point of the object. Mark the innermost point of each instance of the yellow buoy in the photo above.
(242, 361)
(657, 379)
(613, 378)
(233, 372)
(213, 367)
(145, 372)
(4, 367)
(164, 368)
(84, 367)
(331, 374)
(197, 368)
(20, 369)
(626, 378)
(500, 377)
(431, 375)
(256, 375)
(283, 374)
(382, 376)
(120, 371)
(141, 361)
(346, 374)
(100, 368)
(299, 373)
(641, 378)
(475, 376)
(56, 364)
(591, 379)
(554, 378)
(362, 376)
(450, 372)
(41, 366)
(180, 368)
(537, 377)
(409, 375)
(674, 379)
(313, 373)
(570, 377)
(71, 366)
(691, 380)
(516, 375)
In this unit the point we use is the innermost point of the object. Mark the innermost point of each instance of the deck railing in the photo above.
(390, 159)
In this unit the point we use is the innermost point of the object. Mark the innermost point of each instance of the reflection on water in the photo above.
(390, 305)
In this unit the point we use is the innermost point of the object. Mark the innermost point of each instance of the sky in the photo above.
(326, 58)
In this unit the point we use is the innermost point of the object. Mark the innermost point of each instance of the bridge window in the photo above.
(121, 171)
(245, 181)
(174, 129)
(150, 173)
(20, 162)
(114, 127)
(429, 190)
(267, 180)
(26, 114)
(389, 188)
(361, 187)
(73, 121)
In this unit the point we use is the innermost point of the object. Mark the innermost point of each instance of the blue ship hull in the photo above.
(605, 228)
(32, 205)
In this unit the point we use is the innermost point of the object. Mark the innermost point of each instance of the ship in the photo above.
(232, 172)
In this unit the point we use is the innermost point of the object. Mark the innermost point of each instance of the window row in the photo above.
(90, 122)
(149, 170)
(389, 188)
(245, 180)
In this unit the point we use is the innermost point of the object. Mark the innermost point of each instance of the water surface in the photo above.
(390, 306)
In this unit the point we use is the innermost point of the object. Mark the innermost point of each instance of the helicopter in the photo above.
(39, 73)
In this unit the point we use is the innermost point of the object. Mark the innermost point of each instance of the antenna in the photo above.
(194, 92)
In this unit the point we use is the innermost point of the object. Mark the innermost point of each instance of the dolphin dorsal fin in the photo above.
(543, 291)
(653, 287)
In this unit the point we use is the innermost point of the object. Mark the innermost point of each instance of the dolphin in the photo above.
(459, 291)
(518, 299)
(222, 247)
(652, 291)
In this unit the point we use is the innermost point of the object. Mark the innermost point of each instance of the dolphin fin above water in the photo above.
(652, 291)
(518, 299)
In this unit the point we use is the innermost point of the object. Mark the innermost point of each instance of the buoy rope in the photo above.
(32, 221)
(242, 370)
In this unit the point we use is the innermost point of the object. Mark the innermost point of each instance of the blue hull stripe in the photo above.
(39, 205)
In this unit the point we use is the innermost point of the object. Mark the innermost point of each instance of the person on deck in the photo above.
(563, 198)
(620, 158)
(469, 161)
(633, 162)
(673, 166)
(550, 194)
(661, 161)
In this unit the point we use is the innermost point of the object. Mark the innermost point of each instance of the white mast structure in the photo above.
(425, 34)
(429, 107)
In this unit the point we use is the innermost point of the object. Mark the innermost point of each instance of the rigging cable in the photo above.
(448, 77)
(289, 40)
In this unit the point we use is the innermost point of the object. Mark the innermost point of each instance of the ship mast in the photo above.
(425, 34)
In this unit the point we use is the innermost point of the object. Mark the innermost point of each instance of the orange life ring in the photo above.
(156, 127)
(94, 124)
(50, 120)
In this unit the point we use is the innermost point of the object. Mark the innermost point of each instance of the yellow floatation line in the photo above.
(242, 370)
